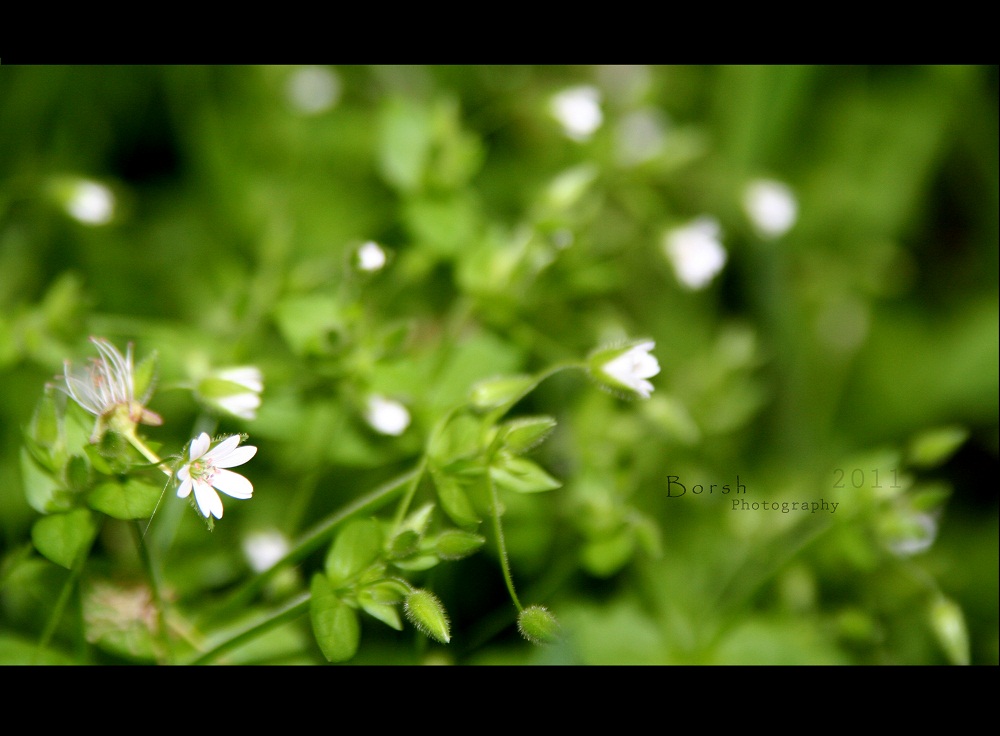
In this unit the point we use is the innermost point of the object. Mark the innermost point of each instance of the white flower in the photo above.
(106, 387)
(206, 472)
(90, 203)
(578, 110)
(627, 367)
(695, 252)
(264, 548)
(371, 257)
(313, 89)
(387, 416)
(234, 390)
(771, 207)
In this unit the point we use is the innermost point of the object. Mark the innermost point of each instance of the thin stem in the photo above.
(61, 601)
(154, 587)
(501, 545)
(404, 503)
(148, 453)
(289, 613)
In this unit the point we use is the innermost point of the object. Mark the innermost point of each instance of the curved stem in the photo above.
(148, 453)
(501, 545)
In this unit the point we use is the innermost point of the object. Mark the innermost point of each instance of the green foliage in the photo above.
(813, 251)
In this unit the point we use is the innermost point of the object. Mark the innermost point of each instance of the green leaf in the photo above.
(387, 613)
(426, 612)
(357, 546)
(521, 476)
(44, 428)
(521, 435)
(128, 499)
(935, 446)
(335, 624)
(45, 493)
(404, 544)
(454, 500)
(949, 626)
(453, 544)
(144, 378)
(501, 392)
(404, 143)
(63, 538)
(387, 590)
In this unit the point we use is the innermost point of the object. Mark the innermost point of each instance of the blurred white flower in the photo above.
(371, 257)
(235, 390)
(206, 472)
(640, 136)
(695, 252)
(89, 202)
(264, 548)
(771, 207)
(626, 367)
(106, 388)
(387, 416)
(578, 110)
(313, 89)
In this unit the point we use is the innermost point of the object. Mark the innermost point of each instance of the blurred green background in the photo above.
(213, 214)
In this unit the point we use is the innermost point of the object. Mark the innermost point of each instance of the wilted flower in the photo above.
(771, 207)
(626, 368)
(106, 388)
(235, 391)
(206, 472)
(387, 416)
(695, 252)
(370, 256)
(578, 109)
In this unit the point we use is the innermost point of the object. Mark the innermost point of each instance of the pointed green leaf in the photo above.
(521, 435)
(404, 544)
(128, 499)
(144, 381)
(63, 538)
(949, 626)
(454, 544)
(454, 500)
(335, 624)
(384, 612)
(501, 392)
(521, 475)
(357, 546)
(935, 446)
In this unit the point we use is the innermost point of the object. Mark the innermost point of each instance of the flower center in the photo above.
(202, 470)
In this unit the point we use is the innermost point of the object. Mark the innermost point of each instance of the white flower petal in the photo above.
(207, 499)
(199, 446)
(184, 490)
(237, 457)
(243, 406)
(248, 377)
(222, 449)
(232, 484)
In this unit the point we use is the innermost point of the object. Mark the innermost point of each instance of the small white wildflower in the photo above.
(771, 207)
(626, 367)
(640, 136)
(206, 472)
(695, 252)
(235, 390)
(106, 388)
(387, 416)
(264, 548)
(313, 89)
(371, 257)
(90, 203)
(578, 110)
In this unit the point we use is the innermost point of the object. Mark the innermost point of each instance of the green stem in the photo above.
(154, 586)
(501, 545)
(292, 611)
(148, 453)
(316, 537)
(61, 601)
(411, 490)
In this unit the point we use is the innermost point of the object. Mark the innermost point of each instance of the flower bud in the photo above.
(233, 391)
(425, 611)
(624, 370)
(537, 625)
